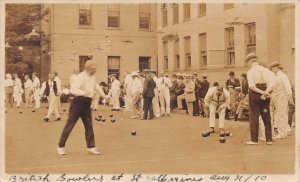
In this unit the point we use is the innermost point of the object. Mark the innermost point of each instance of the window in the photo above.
(202, 9)
(203, 50)
(113, 65)
(85, 14)
(187, 49)
(250, 38)
(82, 60)
(113, 16)
(228, 5)
(145, 16)
(176, 55)
(229, 43)
(165, 54)
(186, 11)
(164, 15)
(144, 63)
(175, 13)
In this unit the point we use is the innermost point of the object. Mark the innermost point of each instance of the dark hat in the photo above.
(250, 56)
(216, 84)
(274, 64)
(204, 76)
(231, 73)
(244, 75)
(180, 77)
(174, 75)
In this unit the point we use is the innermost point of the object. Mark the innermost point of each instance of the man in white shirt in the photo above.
(137, 90)
(36, 90)
(155, 101)
(281, 97)
(115, 91)
(217, 99)
(261, 82)
(164, 94)
(9, 84)
(28, 87)
(50, 90)
(59, 85)
(128, 93)
(83, 88)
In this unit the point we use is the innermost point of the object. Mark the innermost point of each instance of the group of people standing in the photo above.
(18, 92)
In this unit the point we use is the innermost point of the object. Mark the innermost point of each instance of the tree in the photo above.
(20, 19)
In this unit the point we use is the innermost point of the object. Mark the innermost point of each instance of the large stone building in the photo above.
(206, 38)
(215, 38)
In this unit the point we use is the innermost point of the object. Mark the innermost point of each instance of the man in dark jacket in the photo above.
(196, 103)
(148, 94)
(203, 90)
(173, 95)
(235, 82)
(245, 86)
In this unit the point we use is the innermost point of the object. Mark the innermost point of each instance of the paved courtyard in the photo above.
(164, 145)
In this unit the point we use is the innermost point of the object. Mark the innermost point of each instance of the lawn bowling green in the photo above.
(165, 145)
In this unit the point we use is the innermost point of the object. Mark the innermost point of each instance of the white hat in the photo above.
(134, 73)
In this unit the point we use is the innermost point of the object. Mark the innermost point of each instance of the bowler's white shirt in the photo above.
(128, 81)
(8, 82)
(165, 82)
(284, 80)
(260, 75)
(211, 92)
(137, 86)
(36, 83)
(28, 84)
(157, 82)
(85, 83)
(115, 85)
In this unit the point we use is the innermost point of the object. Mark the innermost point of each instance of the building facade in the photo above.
(187, 37)
(119, 37)
(215, 38)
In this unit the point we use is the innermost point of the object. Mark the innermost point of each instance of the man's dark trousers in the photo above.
(79, 108)
(259, 108)
(148, 108)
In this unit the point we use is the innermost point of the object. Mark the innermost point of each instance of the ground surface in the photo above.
(164, 145)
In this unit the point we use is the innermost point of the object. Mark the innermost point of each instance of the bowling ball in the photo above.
(228, 133)
(133, 132)
(33, 110)
(111, 115)
(64, 110)
(222, 140)
(20, 112)
(113, 120)
(97, 119)
(103, 120)
(205, 134)
(99, 116)
(222, 134)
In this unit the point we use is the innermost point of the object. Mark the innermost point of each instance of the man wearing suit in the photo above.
(173, 95)
(203, 90)
(235, 82)
(196, 104)
(245, 86)
(148, 94)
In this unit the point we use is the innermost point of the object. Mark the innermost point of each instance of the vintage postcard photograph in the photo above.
(149, 91)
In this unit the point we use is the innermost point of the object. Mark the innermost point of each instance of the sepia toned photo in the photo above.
(191, 87)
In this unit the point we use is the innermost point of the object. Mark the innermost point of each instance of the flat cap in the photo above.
(250, 56)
